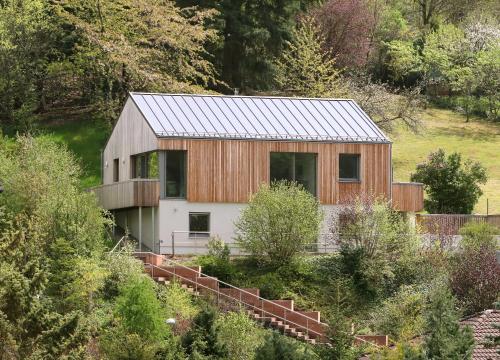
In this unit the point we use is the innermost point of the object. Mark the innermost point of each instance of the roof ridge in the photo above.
(242, 96)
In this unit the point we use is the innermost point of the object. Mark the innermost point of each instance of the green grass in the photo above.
(478, 140)
(85, 138)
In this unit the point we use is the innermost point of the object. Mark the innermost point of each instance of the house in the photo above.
(179, 168)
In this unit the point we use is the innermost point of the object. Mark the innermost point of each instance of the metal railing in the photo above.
(261, 300)
(196, 242)
(123, 238)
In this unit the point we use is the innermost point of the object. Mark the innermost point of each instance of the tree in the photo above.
(278, 221)
(347, 26)
(445, 339)
(305, 69)
(452, 186)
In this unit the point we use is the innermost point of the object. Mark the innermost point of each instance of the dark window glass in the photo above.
(116, 170)
(299, 167)
(349, 167)
(145, 166)
(199, 224)
(175, 182)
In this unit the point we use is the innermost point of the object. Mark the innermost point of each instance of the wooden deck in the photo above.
(130, 193)
(408, 196)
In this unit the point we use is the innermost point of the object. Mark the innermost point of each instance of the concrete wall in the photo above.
(129, 219)
(174, 217)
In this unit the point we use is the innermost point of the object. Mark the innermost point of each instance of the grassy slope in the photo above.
(85, 138)
(477, 140)
(445, 129)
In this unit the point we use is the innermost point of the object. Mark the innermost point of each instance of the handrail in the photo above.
(118, 243)
(248, 293)
(240, 300)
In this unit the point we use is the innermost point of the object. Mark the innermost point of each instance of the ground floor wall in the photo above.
(142, 224)
(175, 236)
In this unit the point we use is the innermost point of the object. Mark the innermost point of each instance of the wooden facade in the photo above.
(408, 196)
(130, 193)
(230, 170)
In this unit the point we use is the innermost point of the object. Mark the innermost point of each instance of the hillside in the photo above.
(445, 129)
(478, 140)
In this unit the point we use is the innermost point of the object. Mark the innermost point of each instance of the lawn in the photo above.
(85, 138)
(478, 140)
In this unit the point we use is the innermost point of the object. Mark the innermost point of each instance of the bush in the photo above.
(475, 235)
(278, 222)
(278, 347)
(401, 316)
(452, 186)
(239, 335)
(217, 263)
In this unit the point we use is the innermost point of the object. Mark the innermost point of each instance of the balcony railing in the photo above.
(130, 193)
(408, 196)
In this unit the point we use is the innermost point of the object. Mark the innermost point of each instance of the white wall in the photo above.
(174, 216)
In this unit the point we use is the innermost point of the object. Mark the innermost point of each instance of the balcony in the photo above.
(130, 193)
(408, 196)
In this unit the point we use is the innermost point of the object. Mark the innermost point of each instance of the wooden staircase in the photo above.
(277, 314)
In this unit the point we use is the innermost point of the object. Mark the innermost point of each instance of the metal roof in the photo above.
(257, 117)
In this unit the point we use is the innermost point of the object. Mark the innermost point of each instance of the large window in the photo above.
(145, 166)
(299, 167)
(199, 224)
(175, 174)
(349, 167)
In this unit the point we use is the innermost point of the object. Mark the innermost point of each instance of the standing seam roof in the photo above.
(256, 117)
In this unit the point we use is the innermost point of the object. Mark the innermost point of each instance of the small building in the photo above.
(179, 168)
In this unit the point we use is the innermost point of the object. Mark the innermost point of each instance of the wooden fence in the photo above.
(450, 224)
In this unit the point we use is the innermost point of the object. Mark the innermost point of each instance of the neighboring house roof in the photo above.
(482, 326)
(257, 117)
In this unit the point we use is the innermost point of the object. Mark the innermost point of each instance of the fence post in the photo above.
(173, 243)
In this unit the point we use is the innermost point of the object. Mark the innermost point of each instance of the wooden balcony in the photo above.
(130, 193)
(408, 196)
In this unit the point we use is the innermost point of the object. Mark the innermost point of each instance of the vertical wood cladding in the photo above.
(230, 170)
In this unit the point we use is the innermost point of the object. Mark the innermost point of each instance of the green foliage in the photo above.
(176, 302)
(375, 244)
(445, 339)
(401, 316)
(278, 221)
(140, 311)
(452, 186)
(201, 341)
(305, 69)
(238, 334)
(278, 347)
(478, 234)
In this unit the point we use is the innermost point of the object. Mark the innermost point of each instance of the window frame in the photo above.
(116, 170)
(294, 172)
(351, 180)
(165, 179)
(199, 234)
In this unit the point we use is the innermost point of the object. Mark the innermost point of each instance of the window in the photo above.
(349, 167)
(144, 166)
(199, 224)
(116, 170)
(175, 174)
(299, 167)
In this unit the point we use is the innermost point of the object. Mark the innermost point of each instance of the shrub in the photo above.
(239, 335)
(452, 186)
(475, 279)
(401, 316)
(217, 263)
(475, 235)
(278, 347)
(278, 221)
(139, 310)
